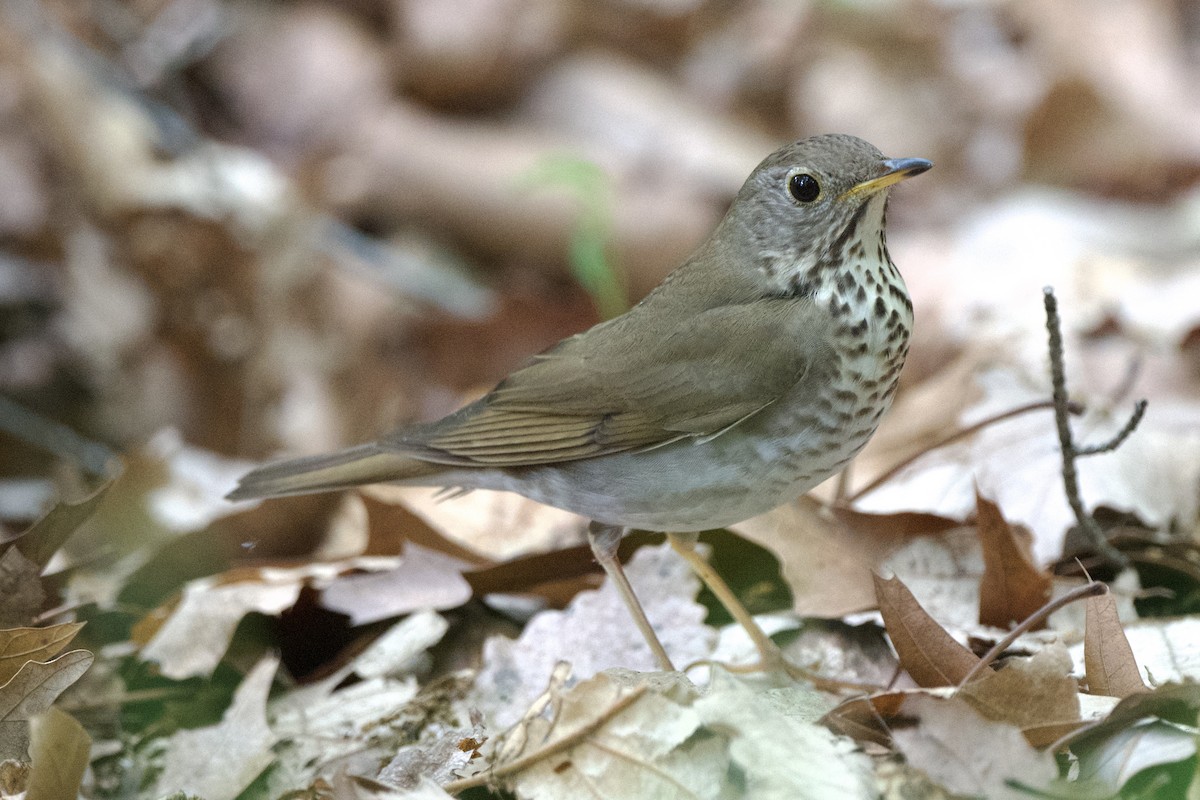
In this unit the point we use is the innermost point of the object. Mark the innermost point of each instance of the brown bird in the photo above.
(756, 370)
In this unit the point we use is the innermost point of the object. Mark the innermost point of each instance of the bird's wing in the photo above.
(610, 389)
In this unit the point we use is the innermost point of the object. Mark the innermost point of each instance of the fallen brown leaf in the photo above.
(495, 525)
(868, 719)
(827, 555)
(390, 525)
(49, 533)
(1037, 694)
(1108, 658)
(19, 645)
(23, 595)
(1012, 587)
(32, 690)
(930, 655)
(60, 750)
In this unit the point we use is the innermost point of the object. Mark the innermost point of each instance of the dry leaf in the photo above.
(19, 645)
(625, 735)
(391, 525)
(425, 789)
(1108, 658)
(444, 754)
(556, 576)
(1018, 465)
(38, 683)
(594, 632)
(608, 739)
(970, 755)
(196, 633)
(1037, 694)
(927, 652)
(869, 719)
(502, 525)
(827, 555)
(768, 729)
(30, 692)
(1012, 587)
(943, 574)
(1165, 648)
(21, 593)
(324, 730)
(424, 579)
(50, 532)
(399, 650)
(218, 762)
(60, 751)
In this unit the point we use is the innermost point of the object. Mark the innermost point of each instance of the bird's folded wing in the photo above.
(615, 388)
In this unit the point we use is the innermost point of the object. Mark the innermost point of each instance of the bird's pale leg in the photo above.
(685, 545)
(605, 539)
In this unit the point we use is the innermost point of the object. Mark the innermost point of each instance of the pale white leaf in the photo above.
(218, 762)
(968, 754)
(776, 744)
(595, 632)
(397, 651)
(195, 637)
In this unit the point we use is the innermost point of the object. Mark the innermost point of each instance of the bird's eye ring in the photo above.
(804, 187)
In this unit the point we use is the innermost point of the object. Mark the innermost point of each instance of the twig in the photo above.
(1139, 409)
(565, 743)
(1070, 452)
(962, 433)
(1091, 589)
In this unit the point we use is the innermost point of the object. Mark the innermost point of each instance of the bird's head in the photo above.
(811, 201)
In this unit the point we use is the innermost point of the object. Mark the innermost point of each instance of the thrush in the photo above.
(757, 369)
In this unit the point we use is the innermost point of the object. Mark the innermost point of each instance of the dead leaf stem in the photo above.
(1090, 589)
(950, 439)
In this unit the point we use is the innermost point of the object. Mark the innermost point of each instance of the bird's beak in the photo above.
(894, 171)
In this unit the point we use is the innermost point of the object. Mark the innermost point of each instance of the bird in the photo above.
(757, 369)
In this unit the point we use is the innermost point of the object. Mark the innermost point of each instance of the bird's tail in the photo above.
(356, 466)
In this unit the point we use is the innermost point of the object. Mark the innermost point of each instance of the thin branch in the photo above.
(1066, 441)
(1139, 410)
(962, 433)
(1091, 589)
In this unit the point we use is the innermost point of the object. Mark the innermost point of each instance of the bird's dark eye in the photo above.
(804, 187)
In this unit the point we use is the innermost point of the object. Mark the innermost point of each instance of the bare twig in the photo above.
(1139, 409)
(1070, 452)
(1087, 590)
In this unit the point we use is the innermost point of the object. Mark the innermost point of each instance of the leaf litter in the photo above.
(341, 267)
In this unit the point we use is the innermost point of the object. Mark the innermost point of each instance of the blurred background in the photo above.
(288, 226)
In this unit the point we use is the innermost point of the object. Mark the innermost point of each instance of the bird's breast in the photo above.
(839, 408)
